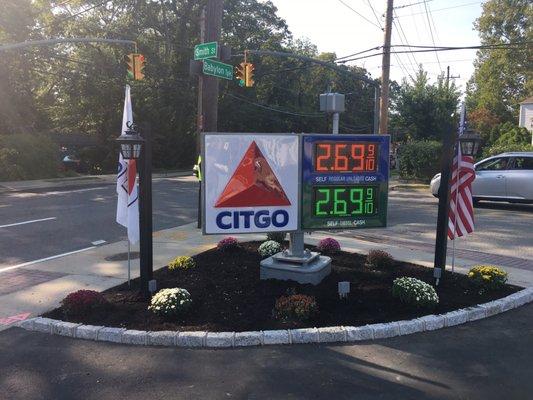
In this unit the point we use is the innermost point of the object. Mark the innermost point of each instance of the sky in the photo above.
(334, 27)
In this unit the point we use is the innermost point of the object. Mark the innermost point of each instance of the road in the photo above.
(71, 219)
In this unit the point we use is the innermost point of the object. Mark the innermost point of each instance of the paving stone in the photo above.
(432, 322)
(354, 333)
(26, 324)
(382, 331)
(248, 338)
(411, 326)
(305, 335)
(475, 313)
(89, 332)
(220, 339)
(276, 337)
(331, 334)
(162, 338)
(110, 334)
(133, 336)
(42, 324)
(457, 317)
(191, 339)
(492, 307)
(64, 328)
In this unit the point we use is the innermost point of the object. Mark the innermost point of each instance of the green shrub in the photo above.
(488, 277)
(277, 236)
(25, 156)
(295, 308)
(414, 292)
(171, 303)
(419, 160)
(181, 262)
(379, 259)
(496, 149)
(269, 248)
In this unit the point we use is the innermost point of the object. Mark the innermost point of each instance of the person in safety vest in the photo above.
(197, 169)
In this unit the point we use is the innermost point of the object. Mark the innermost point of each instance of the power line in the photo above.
(431, 33)
(266, 107)
(440, 9)
(59, 21)
(361, 15)
(400, 33)
(375, 14)
(359, 52)
(412, 4)
(426, 49)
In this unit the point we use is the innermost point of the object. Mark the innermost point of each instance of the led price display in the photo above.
(343, 156)
(345, 201)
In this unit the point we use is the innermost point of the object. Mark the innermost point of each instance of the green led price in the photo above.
(345, 201)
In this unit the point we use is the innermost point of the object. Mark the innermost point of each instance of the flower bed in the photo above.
(227, 295)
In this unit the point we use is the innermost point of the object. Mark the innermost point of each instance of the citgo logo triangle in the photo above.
(253, 183)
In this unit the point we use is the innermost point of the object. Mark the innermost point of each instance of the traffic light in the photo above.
(240, 73)
(135, 63)
(249, 81)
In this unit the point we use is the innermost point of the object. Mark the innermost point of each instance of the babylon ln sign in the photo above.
(218, 69)
(250, 183)
(344, 181)
(206, 50)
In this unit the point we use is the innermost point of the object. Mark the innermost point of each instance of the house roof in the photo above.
(529, 100)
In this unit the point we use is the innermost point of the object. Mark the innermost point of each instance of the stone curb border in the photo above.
(334, 334)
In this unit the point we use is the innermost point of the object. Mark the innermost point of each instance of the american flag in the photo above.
(461, 211)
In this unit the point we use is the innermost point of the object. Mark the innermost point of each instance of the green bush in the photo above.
(25, 156)
(170, 303)
(415, 292)
(181, 262)
(419, 160)
(295, 308)
(496, 149)
(379, 259)
(277, 236)
(488, 277)
(269, 248)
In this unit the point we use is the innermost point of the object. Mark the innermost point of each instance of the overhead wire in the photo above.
(431, 32)
(440, 9)
(270, 108)
(358, 13)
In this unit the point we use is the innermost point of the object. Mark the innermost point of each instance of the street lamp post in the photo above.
(131, 148)
(469, 143)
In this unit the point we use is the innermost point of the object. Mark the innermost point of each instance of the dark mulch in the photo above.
(229, 296)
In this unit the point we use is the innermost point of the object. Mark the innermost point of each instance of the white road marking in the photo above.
(23, 195)
(45, 259)
(27, 222)
(98, 242)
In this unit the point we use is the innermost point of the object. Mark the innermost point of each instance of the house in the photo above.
(526, 115)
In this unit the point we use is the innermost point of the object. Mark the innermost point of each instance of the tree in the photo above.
(503, 76)
(422, 110)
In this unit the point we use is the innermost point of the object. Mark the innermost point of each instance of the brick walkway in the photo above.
(11, 281)
(479, 256)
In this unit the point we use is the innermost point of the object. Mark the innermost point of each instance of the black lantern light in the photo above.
(130, 143)
(470, 143)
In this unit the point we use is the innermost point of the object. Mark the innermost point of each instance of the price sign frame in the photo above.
(345, 208)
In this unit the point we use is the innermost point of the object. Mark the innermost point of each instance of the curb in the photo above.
(333, 334)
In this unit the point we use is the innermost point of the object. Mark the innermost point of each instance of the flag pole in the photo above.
(129, 264)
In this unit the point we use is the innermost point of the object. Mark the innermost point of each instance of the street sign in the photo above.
(218, 69)
(344, 181)
(206, 50)
(250, 183)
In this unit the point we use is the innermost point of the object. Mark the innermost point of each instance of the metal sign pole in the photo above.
(129, 264)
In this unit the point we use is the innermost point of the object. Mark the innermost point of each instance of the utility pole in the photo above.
(213, 26)
(448, 77)
(385, 72)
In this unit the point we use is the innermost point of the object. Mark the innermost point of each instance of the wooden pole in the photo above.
(385, 72)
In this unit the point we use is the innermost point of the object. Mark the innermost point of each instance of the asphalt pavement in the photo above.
(487, 359)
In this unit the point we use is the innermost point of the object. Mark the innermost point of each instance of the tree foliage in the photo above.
(503, 76)
(79, 88)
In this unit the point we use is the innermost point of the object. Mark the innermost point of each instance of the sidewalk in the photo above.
(20, 186)
(39, 287)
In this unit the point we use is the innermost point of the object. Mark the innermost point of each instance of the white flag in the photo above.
(128, 199)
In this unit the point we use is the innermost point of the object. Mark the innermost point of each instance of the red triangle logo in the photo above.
(253, 183)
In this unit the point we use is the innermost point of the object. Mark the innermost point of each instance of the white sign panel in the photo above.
(250, 182)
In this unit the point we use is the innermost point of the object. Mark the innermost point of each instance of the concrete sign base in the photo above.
(312, 268)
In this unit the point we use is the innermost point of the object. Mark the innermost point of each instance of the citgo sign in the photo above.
(250, 183)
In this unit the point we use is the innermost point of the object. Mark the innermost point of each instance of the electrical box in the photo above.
(332, 102)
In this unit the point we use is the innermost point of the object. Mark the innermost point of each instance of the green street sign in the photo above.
(218, 69)
(206, 50)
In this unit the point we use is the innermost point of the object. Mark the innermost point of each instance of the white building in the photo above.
(526, 115)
